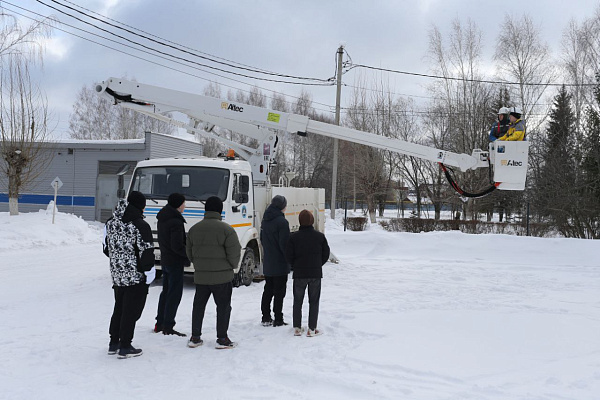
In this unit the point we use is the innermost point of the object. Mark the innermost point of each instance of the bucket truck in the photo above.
(243, 185)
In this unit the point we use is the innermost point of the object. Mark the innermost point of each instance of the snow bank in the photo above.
(33, 230)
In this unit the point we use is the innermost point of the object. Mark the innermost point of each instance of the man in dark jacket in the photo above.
(128, 244)
(215, 250)
(307, 251)
(501, 127)
(171, 240)
(274, 235)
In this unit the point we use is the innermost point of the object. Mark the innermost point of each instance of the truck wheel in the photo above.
(246, 272)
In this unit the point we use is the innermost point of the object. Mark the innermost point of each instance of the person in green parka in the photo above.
(214, 249)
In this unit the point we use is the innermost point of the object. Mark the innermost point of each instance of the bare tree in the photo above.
(24, 130)
(23, 41)
(378, 112)
(95, 118)
(461, 98)
(523, 57)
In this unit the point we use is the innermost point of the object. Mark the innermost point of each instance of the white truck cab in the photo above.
(244, 201)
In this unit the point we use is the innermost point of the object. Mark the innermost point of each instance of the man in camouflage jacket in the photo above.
(129, 245)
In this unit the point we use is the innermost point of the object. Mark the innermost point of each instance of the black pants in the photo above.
(222, 297)
(170, 297)
(129, 304)
(314, 294)
(275, 288)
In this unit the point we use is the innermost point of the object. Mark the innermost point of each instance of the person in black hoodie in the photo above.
(307, 251)
(274, 234)
(129, 245)
(171, 240)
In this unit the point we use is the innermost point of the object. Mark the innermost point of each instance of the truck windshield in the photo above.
(196, 183)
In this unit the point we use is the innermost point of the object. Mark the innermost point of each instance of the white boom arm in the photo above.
(258, 123)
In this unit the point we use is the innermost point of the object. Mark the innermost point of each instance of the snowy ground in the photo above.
(412, 316)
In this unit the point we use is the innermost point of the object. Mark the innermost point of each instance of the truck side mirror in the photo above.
(122, 171)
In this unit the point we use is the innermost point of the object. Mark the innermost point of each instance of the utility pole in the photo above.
(340, 54)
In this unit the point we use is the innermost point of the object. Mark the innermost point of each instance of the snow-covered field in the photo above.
(406, 316)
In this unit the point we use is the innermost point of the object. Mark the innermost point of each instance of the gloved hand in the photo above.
(150, 275)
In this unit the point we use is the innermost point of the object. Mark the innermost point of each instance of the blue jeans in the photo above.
(170, 297)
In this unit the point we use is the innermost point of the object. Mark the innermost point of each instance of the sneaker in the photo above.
(279, 323)
(225, 343)
(171, 331)
(267, 322)
(312, 333)
(128, 352)
(298, 331)
(195, 341)
(157, 328)
(113, 348)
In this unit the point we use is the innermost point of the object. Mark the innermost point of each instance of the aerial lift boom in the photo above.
(508, 159)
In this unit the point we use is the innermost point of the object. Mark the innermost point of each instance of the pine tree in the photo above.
(555, 194)
(590, 166)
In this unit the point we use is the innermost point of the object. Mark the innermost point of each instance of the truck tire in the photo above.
(246, 272)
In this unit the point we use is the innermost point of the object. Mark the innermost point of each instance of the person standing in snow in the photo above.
(274, 235)
(173, 258)
(307, 251)
(215, 250)
(129, 245)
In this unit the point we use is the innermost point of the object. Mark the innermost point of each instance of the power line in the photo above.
(467, 79)
(324, 82)
(158, 64)
(166, 40)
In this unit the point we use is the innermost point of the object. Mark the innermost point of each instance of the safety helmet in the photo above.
(515, 111)
(503, 110)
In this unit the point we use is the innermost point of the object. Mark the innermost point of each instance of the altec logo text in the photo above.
(512, 163)
(231, 107)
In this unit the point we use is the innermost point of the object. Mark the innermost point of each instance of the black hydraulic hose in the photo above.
(125, 97)
(462, 192)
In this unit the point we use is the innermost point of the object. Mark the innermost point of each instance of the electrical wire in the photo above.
(467, 79)
(158, 64)
(323, 81)
(166, 40)
(181, 58)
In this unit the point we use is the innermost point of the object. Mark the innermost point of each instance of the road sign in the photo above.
(56, 183)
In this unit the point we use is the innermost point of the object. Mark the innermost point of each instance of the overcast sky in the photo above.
(288, 37)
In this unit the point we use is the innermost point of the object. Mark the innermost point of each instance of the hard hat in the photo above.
(515, 110)
(503, 110)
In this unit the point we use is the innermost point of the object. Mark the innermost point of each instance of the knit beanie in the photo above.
(306, 218)
(176, 200)
(137, 199)
(279, 202)
(213, 203)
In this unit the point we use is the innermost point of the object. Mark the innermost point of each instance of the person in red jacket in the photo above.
(307, 251)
